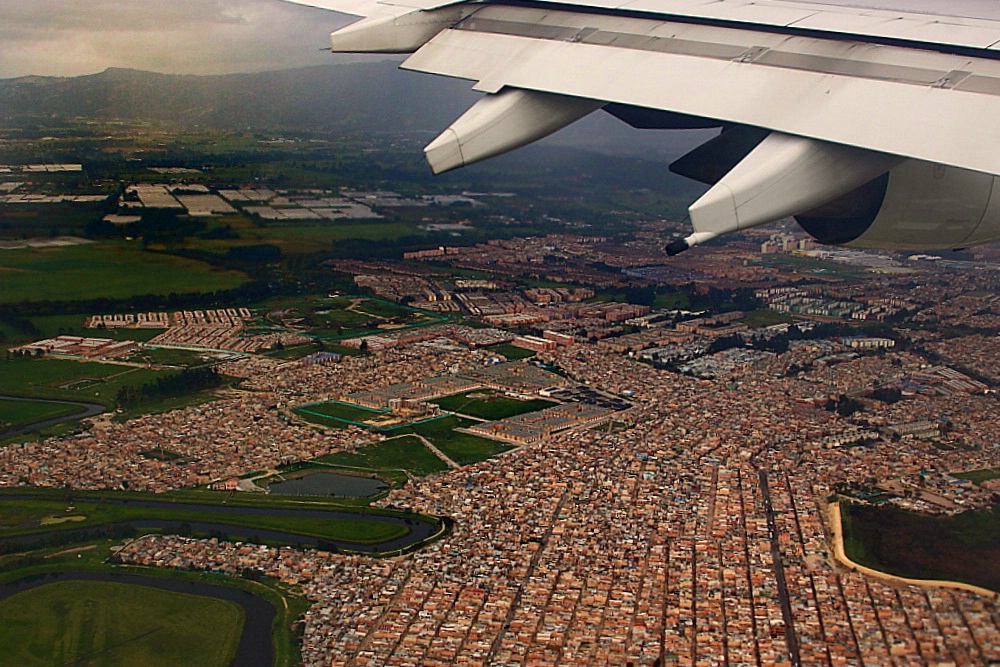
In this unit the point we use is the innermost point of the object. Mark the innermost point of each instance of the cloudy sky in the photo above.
(72, 37)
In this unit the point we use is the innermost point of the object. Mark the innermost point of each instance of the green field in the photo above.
(335, 413)
(964, 547)
(406, 453)
(304, 236)
(490, 405)
(512, 352)
(170, 357)
(63, 379)
(978, 476)
(104, 624)
(104, 270)
(19, 515)
(460, 447)
(331, 318)
(17, 414)
(765, 318)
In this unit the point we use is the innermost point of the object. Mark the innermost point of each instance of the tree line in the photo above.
(177, 384)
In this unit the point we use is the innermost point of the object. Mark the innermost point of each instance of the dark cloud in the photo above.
(70, 37)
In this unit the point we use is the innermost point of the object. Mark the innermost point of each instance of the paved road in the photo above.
(430, 445)
(779, 573)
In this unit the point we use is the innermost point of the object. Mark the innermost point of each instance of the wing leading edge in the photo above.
(844, 106)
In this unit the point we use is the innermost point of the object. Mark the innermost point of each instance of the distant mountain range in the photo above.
(356, 97)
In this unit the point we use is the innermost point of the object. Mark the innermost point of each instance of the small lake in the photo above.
(329, 484)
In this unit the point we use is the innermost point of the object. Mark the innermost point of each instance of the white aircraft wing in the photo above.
(838, 98)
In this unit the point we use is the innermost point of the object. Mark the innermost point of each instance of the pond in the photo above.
(329, 484)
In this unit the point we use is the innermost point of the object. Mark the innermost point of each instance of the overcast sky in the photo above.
(72, 37)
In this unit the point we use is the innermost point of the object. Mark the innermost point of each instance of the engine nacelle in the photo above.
(838, 194)
(915, 206)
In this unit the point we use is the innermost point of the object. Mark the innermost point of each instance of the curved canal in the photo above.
(418, 528)
(256, 647)
(86, 410)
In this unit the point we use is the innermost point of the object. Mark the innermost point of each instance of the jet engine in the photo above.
(838, 194)
(916, 205)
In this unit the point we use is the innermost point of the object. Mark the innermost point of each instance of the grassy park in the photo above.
(490, 405)
(462, 448)
(336, 414)
(106, 624)
(337, 317)
(406, 453)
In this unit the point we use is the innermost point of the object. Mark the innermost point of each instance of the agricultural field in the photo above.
(104, 270)
(110, 624)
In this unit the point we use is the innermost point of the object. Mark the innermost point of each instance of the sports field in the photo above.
(104, 270)
(105, 624)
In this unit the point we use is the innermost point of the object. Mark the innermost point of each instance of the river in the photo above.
(418, 528)
(86, 410)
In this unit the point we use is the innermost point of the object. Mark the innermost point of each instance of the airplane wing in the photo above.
(873, 127)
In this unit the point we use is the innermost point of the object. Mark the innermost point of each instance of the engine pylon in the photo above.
(501, 122)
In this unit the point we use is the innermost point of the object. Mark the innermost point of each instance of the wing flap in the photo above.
(375, 7)
(978, 29)
(887, 99)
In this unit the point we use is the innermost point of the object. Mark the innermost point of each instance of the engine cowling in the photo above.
(915, 206)
(838, 194)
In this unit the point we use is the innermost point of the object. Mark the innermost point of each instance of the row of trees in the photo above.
(178, 384)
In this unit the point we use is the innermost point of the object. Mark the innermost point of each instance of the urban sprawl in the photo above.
(676, 505)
